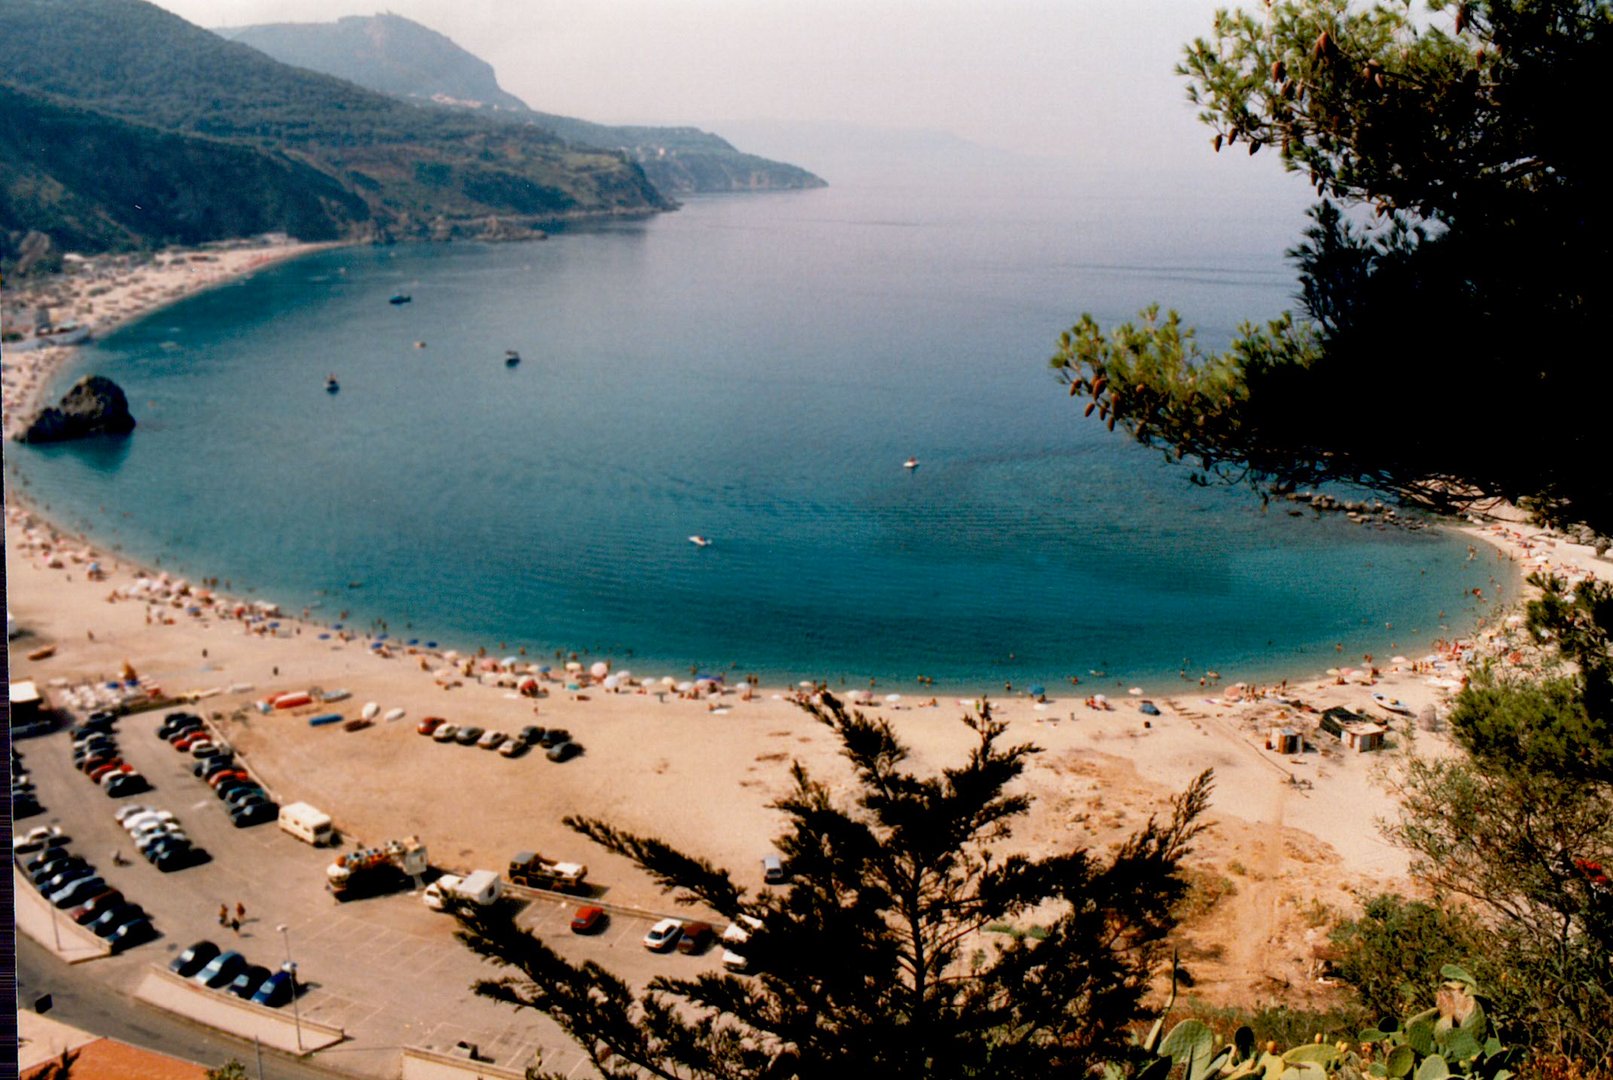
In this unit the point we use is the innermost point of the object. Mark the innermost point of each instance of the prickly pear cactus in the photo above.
(1453, 1039)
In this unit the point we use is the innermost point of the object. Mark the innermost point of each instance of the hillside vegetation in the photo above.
(397, 56)
(130, 73)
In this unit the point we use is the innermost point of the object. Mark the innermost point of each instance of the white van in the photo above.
(310, 825)
(480, 887)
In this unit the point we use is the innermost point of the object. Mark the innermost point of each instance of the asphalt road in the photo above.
(80, 999)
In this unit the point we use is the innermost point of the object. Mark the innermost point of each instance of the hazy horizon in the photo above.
(1086, 81)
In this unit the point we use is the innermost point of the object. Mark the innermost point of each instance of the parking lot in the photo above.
(386, 970)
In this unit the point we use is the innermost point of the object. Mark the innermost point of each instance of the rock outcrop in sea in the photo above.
(94, 406)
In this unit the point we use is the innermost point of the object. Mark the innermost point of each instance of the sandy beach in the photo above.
(1295, 839)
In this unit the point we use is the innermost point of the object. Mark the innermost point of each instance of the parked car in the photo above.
(696, 938)
(42, 870)
(193, 959)
(246, 984)
(221, 970)
(467, 735)
(124, 813)
(113, 917)
(227, 788)
(492, 740)
(65, 876)
(76, 892)
(589, 919)
(531, 734)
(514, 748)
(773, 871)
(553, 737)
(208, 767)
(563, 751)
(241, 791)
(227, 774)
(445, 733)
(37, 839)
(118, 768)
(276, 990)
(663, 935)
(131, 933)
(96, 905)
(254, 814)
(180, 858)
(144, 818)
(430, 724)
(125, 784)
(189, 738)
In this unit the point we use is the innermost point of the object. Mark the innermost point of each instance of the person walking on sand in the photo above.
(240, 912)
(224, 914)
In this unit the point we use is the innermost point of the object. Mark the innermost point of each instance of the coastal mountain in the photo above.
(132, 74)
(398, 56)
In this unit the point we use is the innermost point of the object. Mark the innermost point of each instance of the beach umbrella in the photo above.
(510, 661)
(1135, 691)
(893, 697)
(612, 682)
(1038, 690)
(685, 686)
(806, 684)
(573, 665)
(625, 675)
(1099, 697)
(1398, 660)
(599, 669)
(669, 681)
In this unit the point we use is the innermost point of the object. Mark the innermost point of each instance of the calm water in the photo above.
(753, 369)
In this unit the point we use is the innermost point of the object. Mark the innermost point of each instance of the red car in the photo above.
(95, 905)
(589, 920)
(696, 938)
(430, 724)
(227, 774)
(190, 739)
(100, 771)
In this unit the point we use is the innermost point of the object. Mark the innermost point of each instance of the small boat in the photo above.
(324, 718)
(420, 344)
(700, 541)
(331, 385)
(911, 463)
(357, 724)
(370, 711)
(511, 358)
(1394, 705)
(1148, 708)
(400, 298)
(393, 715)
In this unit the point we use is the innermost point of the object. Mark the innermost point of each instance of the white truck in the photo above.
(307, 823)
(480, 887)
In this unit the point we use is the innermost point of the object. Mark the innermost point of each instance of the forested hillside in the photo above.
(397, 168)
(397, 56)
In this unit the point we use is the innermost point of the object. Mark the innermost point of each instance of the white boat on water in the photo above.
(911, 463)
(700, 541)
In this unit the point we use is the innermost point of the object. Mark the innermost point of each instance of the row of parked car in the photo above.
(95, 754)
(24, 798)
(243, 797)
(694, 938)
(158, 837)
(231, 972)
(557, 743)
(71, 883)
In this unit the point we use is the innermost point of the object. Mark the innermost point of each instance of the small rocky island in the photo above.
(94, 406)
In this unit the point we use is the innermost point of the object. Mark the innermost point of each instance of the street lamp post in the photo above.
(291, 969)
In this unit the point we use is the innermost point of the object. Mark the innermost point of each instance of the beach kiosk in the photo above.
(30, 712)
(1355, 731)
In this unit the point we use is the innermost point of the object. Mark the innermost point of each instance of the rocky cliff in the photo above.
(94, 406)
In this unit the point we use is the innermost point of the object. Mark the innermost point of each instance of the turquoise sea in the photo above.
(754, 369)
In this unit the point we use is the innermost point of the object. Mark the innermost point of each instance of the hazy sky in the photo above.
(1088, 78)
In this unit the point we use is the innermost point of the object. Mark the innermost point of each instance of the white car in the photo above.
(146, 819)
(124, 813)
(733, 938)
(491, 740)
(37, 839)
(437, 890)
(663, 935)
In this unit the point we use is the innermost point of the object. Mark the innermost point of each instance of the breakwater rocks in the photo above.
(1364, 511)
(94, 406)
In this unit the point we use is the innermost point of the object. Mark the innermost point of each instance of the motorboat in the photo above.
(511, 358)
(911, 463)
(700, 541)
(331, 385)
(399, 298)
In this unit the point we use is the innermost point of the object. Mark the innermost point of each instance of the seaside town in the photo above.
(283, 831)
